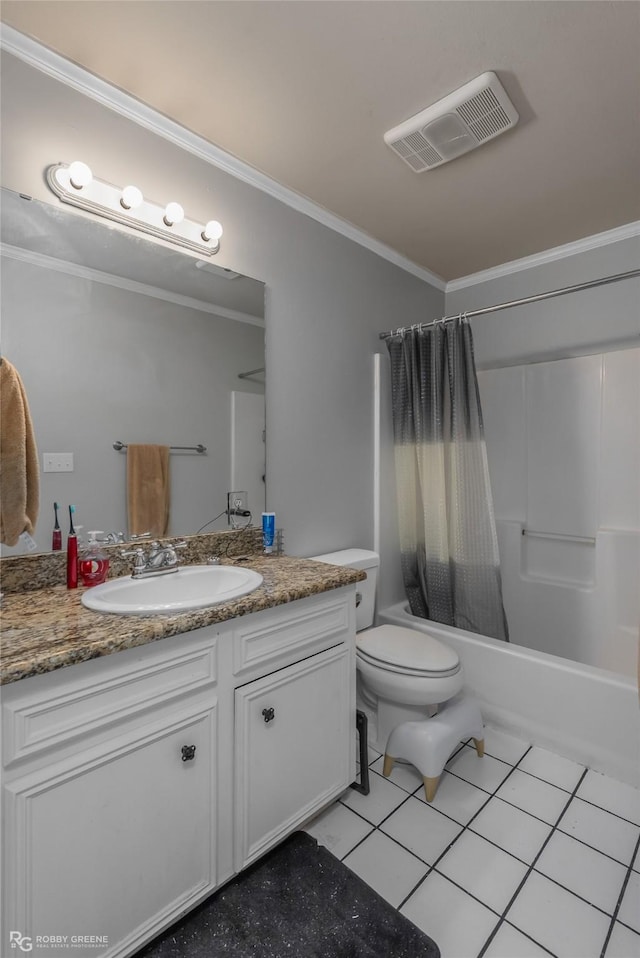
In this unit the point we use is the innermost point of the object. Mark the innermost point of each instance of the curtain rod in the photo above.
(518, 302)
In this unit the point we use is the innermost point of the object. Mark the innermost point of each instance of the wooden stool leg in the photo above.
(430, 787)
(479, 744)
(388, 765)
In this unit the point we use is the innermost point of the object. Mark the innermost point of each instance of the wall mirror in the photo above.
(119, 338)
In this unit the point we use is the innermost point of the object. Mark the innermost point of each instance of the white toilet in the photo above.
(404, 675)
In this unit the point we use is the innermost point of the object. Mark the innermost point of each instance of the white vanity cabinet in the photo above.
(136, 784)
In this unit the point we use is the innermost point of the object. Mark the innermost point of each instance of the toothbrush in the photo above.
(56, 543)
(72, 553)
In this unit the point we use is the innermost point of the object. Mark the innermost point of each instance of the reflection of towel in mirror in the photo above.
(148, 489)
(19, 474)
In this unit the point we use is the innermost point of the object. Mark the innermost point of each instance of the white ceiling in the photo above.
(304, 92)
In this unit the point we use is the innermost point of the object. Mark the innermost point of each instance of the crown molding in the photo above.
(120, 282)
(628, 231)
(79, 79)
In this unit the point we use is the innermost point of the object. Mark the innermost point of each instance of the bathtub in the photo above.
(578, 711)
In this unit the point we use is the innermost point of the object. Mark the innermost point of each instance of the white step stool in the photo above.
(429, 743)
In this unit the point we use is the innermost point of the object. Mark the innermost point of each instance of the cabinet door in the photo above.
(113, 843)
(293, 746)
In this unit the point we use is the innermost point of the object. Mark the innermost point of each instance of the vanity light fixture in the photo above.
(75, 184)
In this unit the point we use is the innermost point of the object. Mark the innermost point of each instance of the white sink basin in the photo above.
(191, 587)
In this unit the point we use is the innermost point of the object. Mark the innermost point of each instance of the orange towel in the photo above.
(19, 473)
(148, 490)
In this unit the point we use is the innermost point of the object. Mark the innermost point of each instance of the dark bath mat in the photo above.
(298, 901)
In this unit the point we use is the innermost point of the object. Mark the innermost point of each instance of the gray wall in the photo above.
(591, 321)
(326, 298)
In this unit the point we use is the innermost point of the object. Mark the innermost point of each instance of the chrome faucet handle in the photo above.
(140, 561)
(139, 535)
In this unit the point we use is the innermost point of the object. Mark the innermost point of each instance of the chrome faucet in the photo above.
(160, 559)
(110, 538)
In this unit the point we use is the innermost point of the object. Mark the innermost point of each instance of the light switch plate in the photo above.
(57, 461)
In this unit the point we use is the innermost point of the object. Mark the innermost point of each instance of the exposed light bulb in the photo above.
(173, 214)
(79, 174)
(212, 231)
(131, 198)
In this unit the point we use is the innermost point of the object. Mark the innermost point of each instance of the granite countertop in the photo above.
(49, 628)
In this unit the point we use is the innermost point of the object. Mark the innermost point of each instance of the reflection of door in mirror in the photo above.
(247, 449)
(119, 338)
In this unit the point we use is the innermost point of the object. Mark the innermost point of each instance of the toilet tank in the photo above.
(359, 559)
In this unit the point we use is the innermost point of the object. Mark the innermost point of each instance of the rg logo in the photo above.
(20, 941)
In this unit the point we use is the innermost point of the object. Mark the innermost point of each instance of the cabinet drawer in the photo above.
(54, 709)
(286, 634)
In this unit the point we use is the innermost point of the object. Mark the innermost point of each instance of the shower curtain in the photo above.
(448, 540)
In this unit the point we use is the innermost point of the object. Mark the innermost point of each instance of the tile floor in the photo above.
(522, 853)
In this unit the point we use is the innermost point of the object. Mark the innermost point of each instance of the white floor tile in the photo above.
(404, 775)
(601, 830)
(458, 924)
(629, 913)
(338, 829)
(511, 943)
(456, 798)
(552, 768)
(613, 796)
(560, 921)
(511, 829)
(636, 862)
(387, 868)
(483, 870)
(623, 943)
(421, 829)
(583, 870)
(534, 796)
(380, 802)
(485, 772)
(505, 747)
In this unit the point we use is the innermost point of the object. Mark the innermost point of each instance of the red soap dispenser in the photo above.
(93, 563)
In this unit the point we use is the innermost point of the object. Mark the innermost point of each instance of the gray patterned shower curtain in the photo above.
(448, 540)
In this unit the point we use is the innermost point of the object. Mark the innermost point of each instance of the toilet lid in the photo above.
(399, 649)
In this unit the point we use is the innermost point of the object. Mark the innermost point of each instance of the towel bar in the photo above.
(590, 540)
(199, 448)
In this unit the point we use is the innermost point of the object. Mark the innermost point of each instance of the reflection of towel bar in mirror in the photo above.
(118, 446)
(252, 373)
(559, 535)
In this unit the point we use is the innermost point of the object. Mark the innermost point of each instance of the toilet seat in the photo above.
(394, 648)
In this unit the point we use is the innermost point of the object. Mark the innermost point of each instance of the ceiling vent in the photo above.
(476, 113)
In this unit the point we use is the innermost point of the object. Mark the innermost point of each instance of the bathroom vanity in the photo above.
(137, 783)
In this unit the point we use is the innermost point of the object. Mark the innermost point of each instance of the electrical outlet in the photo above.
(237, 504)
(57, 461)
